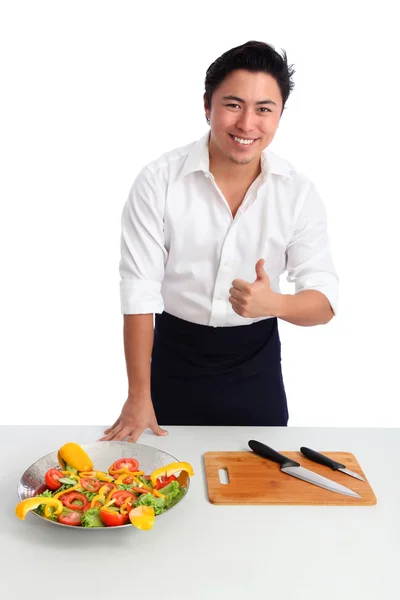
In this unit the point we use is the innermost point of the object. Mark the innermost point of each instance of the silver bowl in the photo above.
(103, 455)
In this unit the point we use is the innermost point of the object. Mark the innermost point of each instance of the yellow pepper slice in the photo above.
(75, 456)
(124, 470)
(99, 498)
(25, 506)
(126, 507)
(100, 475)
(127, 474)
(71, 489)
(144, 487)
(170, 470)
(142, 517)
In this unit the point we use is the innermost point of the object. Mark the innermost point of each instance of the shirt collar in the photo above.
(198, 159)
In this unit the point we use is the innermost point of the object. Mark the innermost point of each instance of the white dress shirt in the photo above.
(181, 248)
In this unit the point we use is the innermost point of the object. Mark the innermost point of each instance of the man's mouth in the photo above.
(243, 142)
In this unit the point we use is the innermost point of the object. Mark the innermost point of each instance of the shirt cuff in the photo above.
(139, 297)
(326, 283)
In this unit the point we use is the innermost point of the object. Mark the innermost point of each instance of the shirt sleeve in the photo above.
(308, 256)
(143, 254)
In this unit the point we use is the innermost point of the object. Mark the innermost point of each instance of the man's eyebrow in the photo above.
(244, 102)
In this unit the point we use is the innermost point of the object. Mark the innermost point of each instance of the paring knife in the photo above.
(328, 462)
(291, 467)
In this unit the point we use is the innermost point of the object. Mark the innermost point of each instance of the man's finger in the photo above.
(241, 285)
(122, 434)
(112, 427)
(135, 435)
(236, 294)
(111, 435)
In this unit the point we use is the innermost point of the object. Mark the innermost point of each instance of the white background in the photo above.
(92, 91)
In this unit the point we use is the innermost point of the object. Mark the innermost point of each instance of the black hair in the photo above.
(255, 57)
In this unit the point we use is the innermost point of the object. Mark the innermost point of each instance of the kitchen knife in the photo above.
(291, 467)
(328, 462)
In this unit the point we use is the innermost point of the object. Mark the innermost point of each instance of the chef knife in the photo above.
(328, 462)
(291, 467)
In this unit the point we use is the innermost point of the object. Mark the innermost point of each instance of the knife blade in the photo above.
(328, 462)
(291, 467)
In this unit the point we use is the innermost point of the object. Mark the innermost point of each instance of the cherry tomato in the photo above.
(113, 519)
(70, 500)
(91, 484)
(125, 463)
(72, 518)
(51, 478)
(163, 481)
(121, 496)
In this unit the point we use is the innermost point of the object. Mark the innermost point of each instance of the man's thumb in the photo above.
(261, 274)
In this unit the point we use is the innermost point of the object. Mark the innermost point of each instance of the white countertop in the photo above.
(204, 551)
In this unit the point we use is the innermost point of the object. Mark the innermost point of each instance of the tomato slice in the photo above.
(51, 478)
(113, 519)
(72, 518)
(91, 484)
(125, 463)
(74, 500)
(121, 496)
(163, 481)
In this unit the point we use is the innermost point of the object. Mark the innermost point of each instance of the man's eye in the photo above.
(264, 108)
(232, 104)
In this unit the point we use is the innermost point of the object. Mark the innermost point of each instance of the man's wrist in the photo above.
(280, 305)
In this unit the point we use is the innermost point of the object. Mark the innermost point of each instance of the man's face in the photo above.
(246, 106)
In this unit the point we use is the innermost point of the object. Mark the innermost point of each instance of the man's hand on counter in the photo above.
(137, 415)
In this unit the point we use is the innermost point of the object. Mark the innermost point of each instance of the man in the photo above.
(207, 231)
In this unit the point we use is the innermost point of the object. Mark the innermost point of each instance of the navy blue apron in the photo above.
(203, 375)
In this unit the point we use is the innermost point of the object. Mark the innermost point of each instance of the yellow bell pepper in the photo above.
(75, 456)
(170, 470)
(142, 517)
(31, 503)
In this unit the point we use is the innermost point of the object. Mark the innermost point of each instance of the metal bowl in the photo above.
(103, 455)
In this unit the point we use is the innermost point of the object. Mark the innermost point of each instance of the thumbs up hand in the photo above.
(255, 299)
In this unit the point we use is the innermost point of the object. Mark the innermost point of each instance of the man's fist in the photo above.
(255, 299)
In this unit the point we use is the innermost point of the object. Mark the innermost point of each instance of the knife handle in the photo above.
(321, 459)
(267, 452)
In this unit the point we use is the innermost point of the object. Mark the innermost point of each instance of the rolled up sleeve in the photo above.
(308, 255)
(143, 254)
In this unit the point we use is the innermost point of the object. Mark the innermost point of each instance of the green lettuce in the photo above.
(91, 518)
(150, 500)
(173, 492)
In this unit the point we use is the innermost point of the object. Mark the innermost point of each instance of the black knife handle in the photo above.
(267, 452)
(321, 459)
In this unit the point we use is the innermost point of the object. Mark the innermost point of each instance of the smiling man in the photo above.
(207, 231)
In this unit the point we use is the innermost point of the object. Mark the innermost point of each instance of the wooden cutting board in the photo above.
(255, 480)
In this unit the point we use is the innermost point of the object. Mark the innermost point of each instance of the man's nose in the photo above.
(246, 121)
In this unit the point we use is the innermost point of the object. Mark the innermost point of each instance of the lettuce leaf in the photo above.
(150, 500)
(91, 518)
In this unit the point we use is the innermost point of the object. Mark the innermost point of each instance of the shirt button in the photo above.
(219, 298)
(226, 264)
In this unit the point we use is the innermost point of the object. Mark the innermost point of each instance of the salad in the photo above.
(78, 495)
